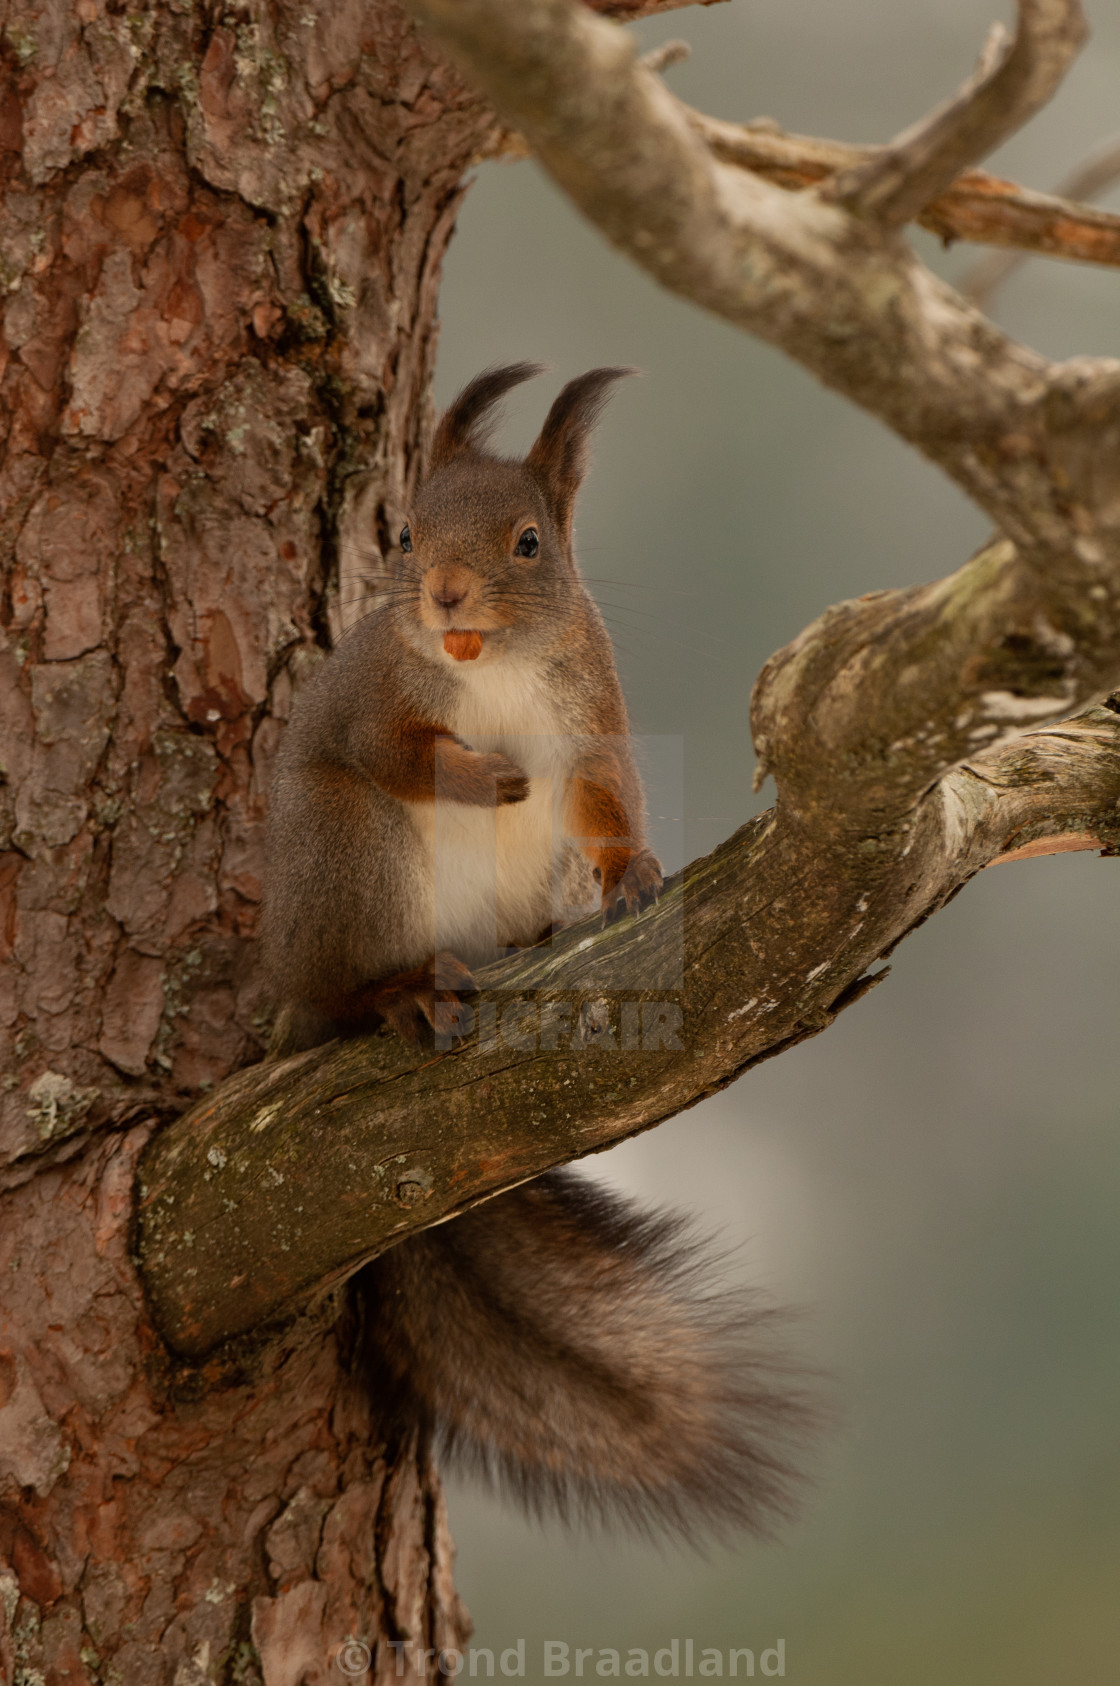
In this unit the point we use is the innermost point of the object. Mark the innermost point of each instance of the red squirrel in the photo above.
(409, 842)
(457, 776)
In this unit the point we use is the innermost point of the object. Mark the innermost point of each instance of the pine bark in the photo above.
(220, 242)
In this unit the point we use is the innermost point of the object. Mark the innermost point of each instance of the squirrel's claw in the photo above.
(638, 888)
(450, 975)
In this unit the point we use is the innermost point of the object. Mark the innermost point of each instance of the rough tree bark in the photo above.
(220, 245)
(220, 242)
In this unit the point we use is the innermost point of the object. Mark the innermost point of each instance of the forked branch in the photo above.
(977, 206)
(1013, 79)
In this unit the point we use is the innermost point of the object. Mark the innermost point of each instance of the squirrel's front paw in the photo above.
(638, 888)
(510, 783)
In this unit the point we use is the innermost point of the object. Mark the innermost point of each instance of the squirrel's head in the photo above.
(486, 561)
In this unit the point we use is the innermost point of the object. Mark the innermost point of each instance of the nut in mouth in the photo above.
(464, 646)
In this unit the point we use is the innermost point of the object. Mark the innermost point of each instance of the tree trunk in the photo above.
(220, 245)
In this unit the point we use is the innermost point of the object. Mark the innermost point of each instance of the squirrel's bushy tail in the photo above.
(562, 1343)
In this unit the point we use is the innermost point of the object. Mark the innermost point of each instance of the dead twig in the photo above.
(1013, 79)
(663, 57)
(1095, 174)
(979, 207)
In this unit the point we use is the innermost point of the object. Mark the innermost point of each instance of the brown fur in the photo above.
(415, 758)
(567, 1347)
(467, 423)
(409, 1001)
(556, 1339)
(559, 456)
(599, 805)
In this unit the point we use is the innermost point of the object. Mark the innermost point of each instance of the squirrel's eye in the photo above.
(528, 544)
(406, 537)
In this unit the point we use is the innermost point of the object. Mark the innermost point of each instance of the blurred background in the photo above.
(936, 1181)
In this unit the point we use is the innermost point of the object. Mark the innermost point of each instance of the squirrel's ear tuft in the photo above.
(559, 456)
(468, 421)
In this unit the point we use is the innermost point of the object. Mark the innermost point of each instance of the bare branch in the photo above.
(839, 294)
(1013, 80)
(1094, 175)
(292, 1174)
(977, 207)
(669, 53)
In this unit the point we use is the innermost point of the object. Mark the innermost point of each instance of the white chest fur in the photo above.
(496, 875)
(506, 706)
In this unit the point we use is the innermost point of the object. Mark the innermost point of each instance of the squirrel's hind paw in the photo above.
(410, 1002)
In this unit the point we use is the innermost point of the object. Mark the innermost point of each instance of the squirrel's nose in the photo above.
(448, 585)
